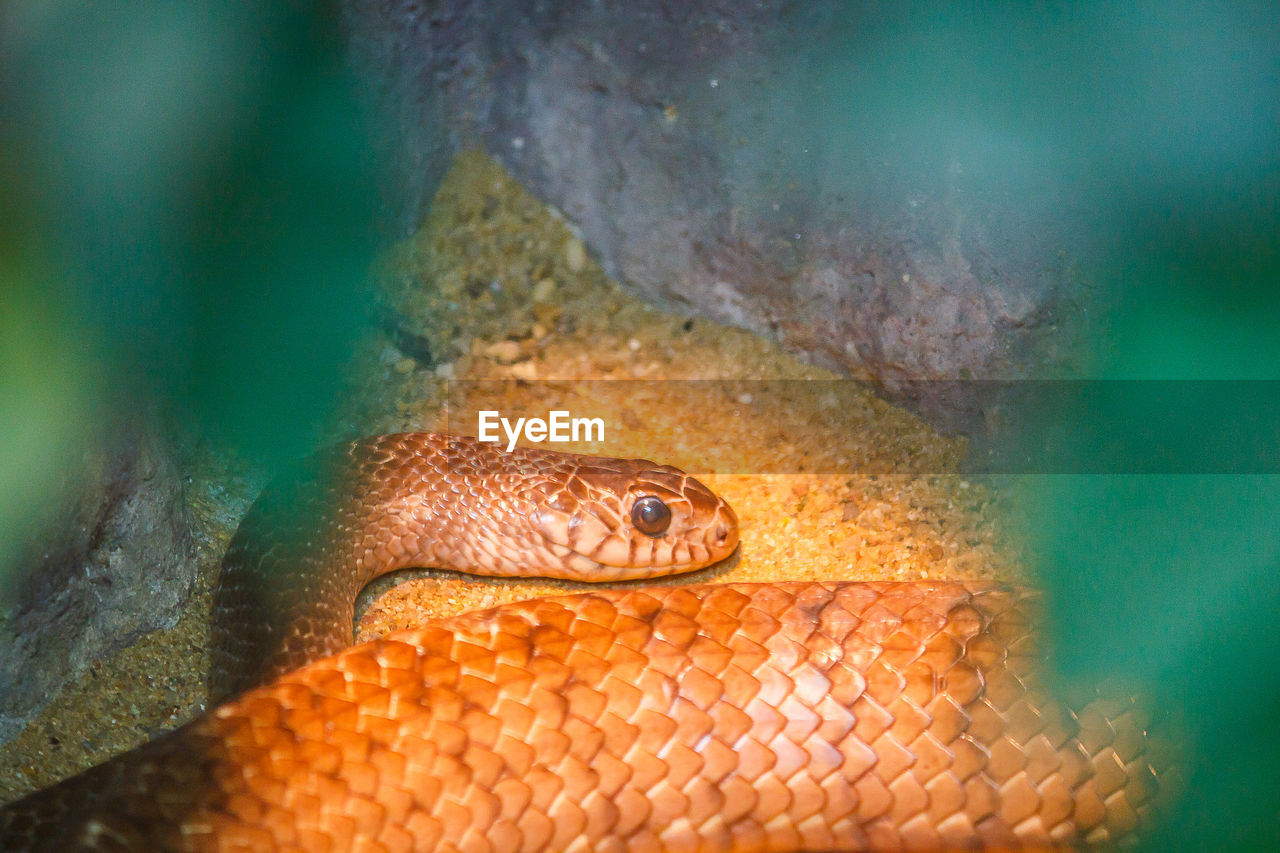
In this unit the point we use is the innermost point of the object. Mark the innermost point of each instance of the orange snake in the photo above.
(744, 717)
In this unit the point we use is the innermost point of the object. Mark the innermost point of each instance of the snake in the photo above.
(788, 716)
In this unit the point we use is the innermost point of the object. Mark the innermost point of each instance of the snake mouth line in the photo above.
(579, 567)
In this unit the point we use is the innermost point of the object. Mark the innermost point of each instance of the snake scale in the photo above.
(716, 717)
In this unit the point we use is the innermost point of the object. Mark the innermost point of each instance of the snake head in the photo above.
(632, 518)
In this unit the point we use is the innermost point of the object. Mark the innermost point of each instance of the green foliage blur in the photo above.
(1171, 582)
(1141, 141)
(187, 226)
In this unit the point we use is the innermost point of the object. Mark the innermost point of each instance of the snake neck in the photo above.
(314, 538)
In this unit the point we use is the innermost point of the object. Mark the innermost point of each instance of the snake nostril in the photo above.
(720, 533)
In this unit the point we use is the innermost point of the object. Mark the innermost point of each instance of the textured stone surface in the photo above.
(752, 163)
(118, 562)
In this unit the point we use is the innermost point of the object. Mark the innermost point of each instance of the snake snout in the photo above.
(630, 518)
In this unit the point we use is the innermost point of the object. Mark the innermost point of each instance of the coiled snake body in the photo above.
(745, 717)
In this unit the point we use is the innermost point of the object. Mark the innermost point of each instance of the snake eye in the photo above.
(651, 516)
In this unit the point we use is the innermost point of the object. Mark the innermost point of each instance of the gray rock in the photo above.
(770, 165)
(117, 562)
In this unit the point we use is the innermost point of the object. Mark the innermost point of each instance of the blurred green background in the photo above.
(188, 219)
(187, 226)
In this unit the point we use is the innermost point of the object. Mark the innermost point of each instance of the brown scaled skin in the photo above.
(312, 541)
(797, 716)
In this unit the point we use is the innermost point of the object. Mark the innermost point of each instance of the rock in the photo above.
(575, 255)
(793, 196)
(525, 370)
(544, 289)
(503, 352)
(118, 563)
